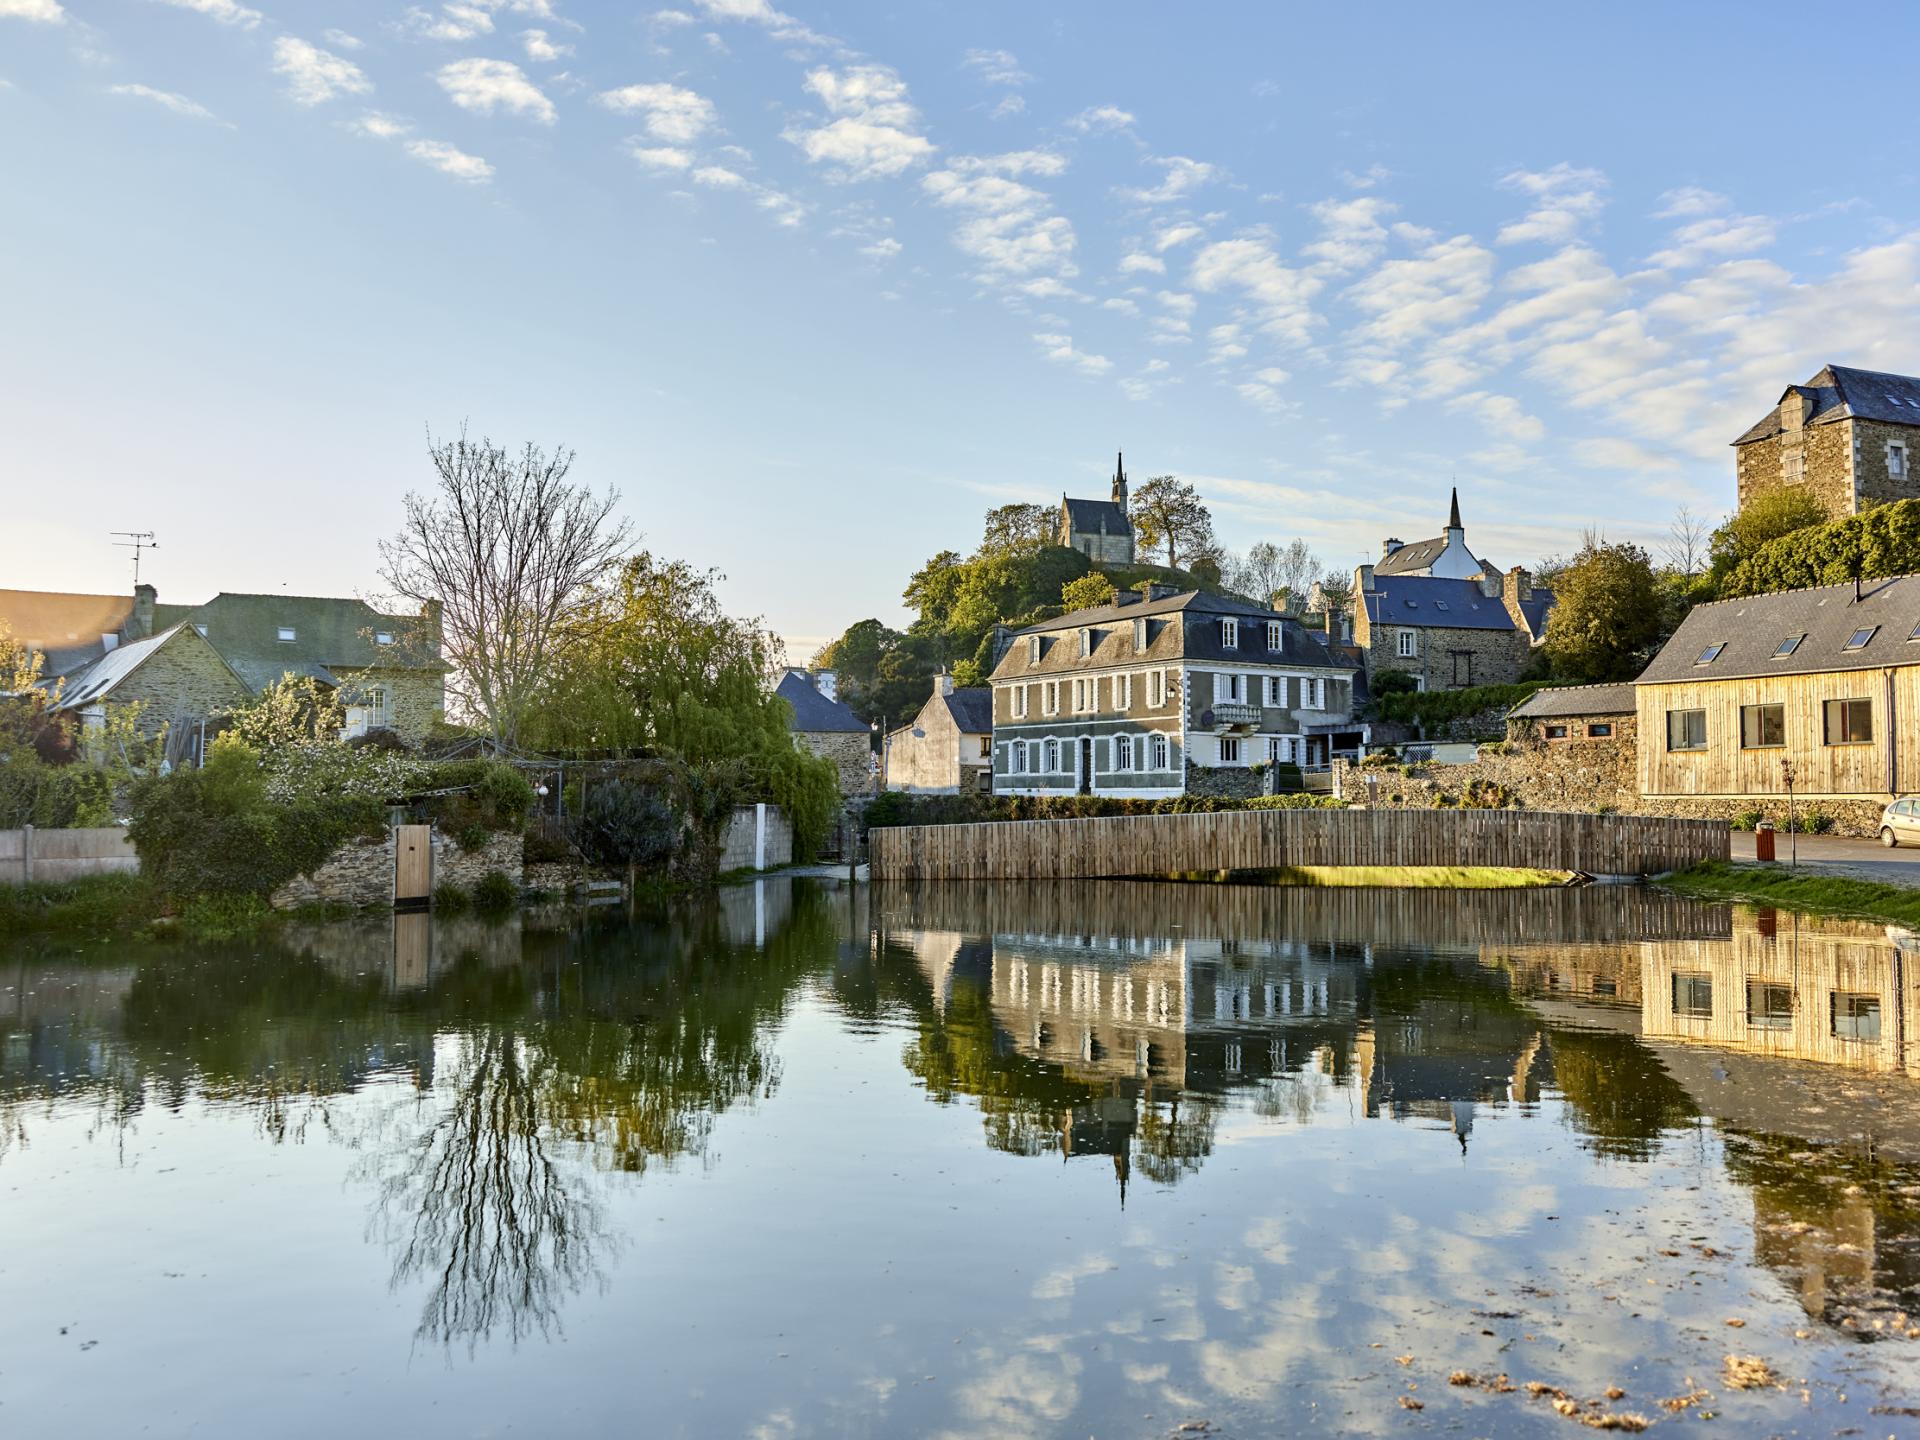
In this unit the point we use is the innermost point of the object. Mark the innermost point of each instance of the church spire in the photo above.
(1119, 480)
(1453, 513)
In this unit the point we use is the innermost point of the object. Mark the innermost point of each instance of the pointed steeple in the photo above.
(1453, 512)
(1119, 480)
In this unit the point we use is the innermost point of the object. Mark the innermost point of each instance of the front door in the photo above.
(412, 865)
(1086, 767)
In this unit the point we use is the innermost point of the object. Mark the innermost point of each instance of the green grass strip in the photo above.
(1387, 877)
(1790, 890)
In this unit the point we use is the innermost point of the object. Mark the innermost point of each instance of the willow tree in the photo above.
(507, 551)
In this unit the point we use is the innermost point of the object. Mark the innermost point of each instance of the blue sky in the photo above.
(814, 287)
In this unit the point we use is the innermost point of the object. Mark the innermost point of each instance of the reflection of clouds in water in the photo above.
(1234, 1286)
(1060, 1284)
(1025, 1394)
(1266, 1237)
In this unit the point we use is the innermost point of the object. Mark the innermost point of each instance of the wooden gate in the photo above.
(412, 866)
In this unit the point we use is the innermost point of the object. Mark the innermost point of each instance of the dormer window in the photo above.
(1230, 634)
(383, 637)
(1086, 643)
(1033, 650)
(1711, 653)
(287, 633)
(1274, 636)
(1139, 636)
(1861, 637)
(1788, 646)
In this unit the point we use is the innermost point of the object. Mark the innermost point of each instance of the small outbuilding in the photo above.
(823, 726)
(1563, 713)
(947, 749)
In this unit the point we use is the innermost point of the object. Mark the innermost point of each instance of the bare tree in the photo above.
(506, 550)
(1686, 547)
(1268, 569)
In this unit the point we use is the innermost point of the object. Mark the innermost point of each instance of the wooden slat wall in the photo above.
(1274, 839)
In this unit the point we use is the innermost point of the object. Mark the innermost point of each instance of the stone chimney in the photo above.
(1490, 584)
(945, 682)
(827, 683)
(1388, 546)
(1156, 590)
(1362, 580)
(140, 622)
(1517, 586)
(1793, 410)
(430, 612)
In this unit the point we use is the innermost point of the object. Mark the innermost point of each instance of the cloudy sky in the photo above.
(814, 287)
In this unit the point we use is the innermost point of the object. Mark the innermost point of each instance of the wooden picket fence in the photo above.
(1149, 845)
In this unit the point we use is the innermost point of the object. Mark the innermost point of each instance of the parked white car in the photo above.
(1900, 823)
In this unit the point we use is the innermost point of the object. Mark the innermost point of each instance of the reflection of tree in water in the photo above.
(1621, 1098)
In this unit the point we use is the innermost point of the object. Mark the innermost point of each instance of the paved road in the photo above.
(1827, 855)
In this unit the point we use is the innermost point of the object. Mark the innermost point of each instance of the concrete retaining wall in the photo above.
(750, 846)
(34, 855)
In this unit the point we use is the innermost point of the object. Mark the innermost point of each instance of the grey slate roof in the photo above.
(1418, 557)
(329, 635)
(972, 710)
(1449, 604)
(64, 627)
(1182, 627)
(1753, 628)
(1841, 393)
(1097, 517)
(814, 713)
(1576, 700)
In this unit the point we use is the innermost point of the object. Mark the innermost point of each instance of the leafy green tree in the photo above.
(1019, 529)
(1606, 616)
(1883, 541)
(883, 673)
(1087, 592)
(1765, 518)
(1168, 512)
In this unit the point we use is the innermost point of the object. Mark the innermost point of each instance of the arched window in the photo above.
(1123, 752)
(1053, 756)
(1159, 751)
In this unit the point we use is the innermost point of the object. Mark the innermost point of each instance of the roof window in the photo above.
(1711, 653)
(1788, 646)
(1861, 637)
(287, 633)
(383, 637)
(1439, 604)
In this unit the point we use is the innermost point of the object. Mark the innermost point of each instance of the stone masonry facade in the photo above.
(850, 751)
(360, 873)
(183, 681)
(1847, 465)
(416, 699)
(1453, 658)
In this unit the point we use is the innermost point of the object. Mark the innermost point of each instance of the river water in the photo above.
(1095, 1159)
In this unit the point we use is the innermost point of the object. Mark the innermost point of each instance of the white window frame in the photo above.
(1016, 757)
(1019, 705)
(1226, 687)
(1276, 636)
(286, 633)
(1086, 643)
(1050, 698)
(1156, 689)
(1123, 692)
(1123, 752)
(1052, 754)
(1313, 692)
(1140, 637)
(1897, 459)
(1279, 749)
(1229, 749)
(1277, 691)
(1408, 645)
(1033, 651)
(1229, 633)
(1162, 752)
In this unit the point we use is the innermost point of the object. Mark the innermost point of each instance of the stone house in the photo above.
(1101, 530)
(1825, 680)
(948, 746)
(102, 650)
(1562, 714)
(823, 726)
(1143, 696)
(1449, 619)
(1851, 437)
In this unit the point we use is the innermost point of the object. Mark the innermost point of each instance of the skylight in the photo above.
(1788, 646)
(1914, 634)
(1861, 637)
(1711, 653)
(286, 632)
(383, 637)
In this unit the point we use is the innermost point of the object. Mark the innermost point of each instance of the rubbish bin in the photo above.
(1763, 840)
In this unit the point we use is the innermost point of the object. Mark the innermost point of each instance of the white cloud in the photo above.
(178, 104)
(450, 160)
(1226, 342)
(672, 113)
(1120, 305)
(540, 47)
(1501, 414)
(1366, 179)
(1618, 453)
(1174, 235)
(1564, 199)
(996, 67)
(376, 126)
(669, 19)
(1714, 238)
(660, 157)
(1060, 350)
(227, 12)
(1142, 264)
(718, 177)
(1011, 230)
(484, 86)
(1282, 295)
(1437, 289)
(1689, 201)
(1352, 235)
(1177, 304)
(885, 248)
(1016, 162)
(315, 76)
(44, 12)
(1008, 105)
(776, 23)
(1101, 120)
(1183, 177)
(455, 21)
(874, 134)
(342, 39)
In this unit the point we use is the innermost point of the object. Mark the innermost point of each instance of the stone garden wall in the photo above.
(360, 873)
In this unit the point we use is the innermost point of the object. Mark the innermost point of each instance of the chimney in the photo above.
(1157, 590)
(430, 612)
(1127, 597)
(1362, 580)
(1002, 642)
(945, 682)
(1793, 410)
(1517, 586)
(1490, 584)
(1388, 546)
(827, 683)
(140, 622)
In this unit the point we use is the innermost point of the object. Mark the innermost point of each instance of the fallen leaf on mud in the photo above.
(1677, 1403)
(1737, 1324)
(1750, 1372)
(1403, 1359)
(1407, 1402)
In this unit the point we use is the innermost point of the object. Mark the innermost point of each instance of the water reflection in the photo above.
(501, 1092)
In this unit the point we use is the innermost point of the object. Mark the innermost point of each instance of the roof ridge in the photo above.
(1807, 589)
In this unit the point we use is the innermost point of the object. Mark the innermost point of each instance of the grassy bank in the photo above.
(1387, 877)
(91, 906)
(1788, 890)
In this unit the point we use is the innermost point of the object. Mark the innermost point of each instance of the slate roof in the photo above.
(1558, 700)
(1181, 627)
(1841, 393)
(1427, 601)
(330, 635)
(66, 628)
(972, 709)
(1752, 630)
(98, 680)
(1418, 557)
(814, 713)
(1096, 517)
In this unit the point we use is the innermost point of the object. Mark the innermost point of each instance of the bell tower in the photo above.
(1119, 481)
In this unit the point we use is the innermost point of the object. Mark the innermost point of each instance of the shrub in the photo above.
(1486, 795)
(1287, 777)
(1747, 820)
(450, 899)
(1812, 822)
(494, 892)
(626, 823)
(93, 904)
(52, 797)
(223, 917)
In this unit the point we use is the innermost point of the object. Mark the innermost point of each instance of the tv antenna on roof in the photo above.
(136, 541)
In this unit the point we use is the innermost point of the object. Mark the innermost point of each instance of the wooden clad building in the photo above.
(1825, 680)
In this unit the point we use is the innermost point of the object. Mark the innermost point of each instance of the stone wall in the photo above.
(737, 853)
(184, 679)
(1873, 482)
(416, 699)
(1498, 656)
(850, 751)
(1232, 782)
(1825, 453)
(360, 873)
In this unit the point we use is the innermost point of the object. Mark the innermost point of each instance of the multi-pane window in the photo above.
(1139, 637)
(1050, 698)
(1123, 692)
(1686, 729)
(1276, 690)
(1763, 727)
(1159, 751)
(1896, 460)
(1693, 996)
(1080, 688)
(1086, 643)
(1848, 722)
(1276, 636)
(1856, 1017)
(1229, 750)
(1769, 1005)
(1156, 689)
(1016, 758)
(377, 707)
(1019, 702)
(1405, 644)
(1123, 752)
(1226, 687)
(1280, 749)
(1313, 692)
(1033, 650)
(1230, 634)
(1053, 756)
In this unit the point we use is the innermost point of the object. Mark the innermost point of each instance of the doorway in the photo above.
(1086, 767)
